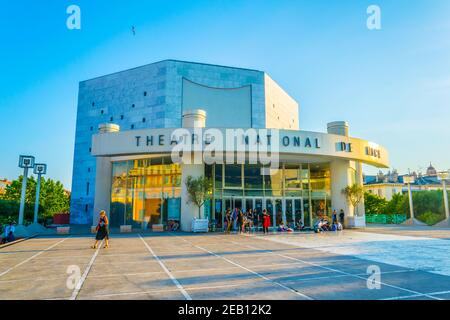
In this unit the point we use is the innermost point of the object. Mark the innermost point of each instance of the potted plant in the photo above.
(199, 191)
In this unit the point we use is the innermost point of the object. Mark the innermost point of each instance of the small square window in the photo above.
(121, 117)
(90, 149)
(143, 119)
(132, 126)
(133, 105)
(145, 93)
(111, 119)
(92, 128)
(102, 112)
(93, 104)
(89, 169)
(86, 208)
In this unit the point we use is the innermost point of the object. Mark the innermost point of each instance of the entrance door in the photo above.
(294, 211)
(274, 207)
(258, 208)
(279, 213)
(287, 210)
(290, 213)
(298, 210)
(270, 209)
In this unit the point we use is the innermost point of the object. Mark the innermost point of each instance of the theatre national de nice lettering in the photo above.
(135, 129)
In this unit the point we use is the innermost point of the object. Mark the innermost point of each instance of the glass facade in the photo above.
(148, 191)
(145, 192)
(295, 193)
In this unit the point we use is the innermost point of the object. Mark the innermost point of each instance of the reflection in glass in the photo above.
(233, 176)
(292, 176)
(253, 178)
(145, 192)
(274, 183)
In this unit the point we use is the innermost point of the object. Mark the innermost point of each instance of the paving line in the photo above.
(343, 272)
(249, 270)
(113, 275)
(154, 291)
(222, 286)
(174, 280)
(342, 275)
(80, 282)
(417, 295)
(32, 257)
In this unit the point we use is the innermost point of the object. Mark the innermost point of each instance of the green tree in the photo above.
(199, 191)
(53, 199)
(14, 191)
(354, 194)
(398, 204)
(428, 201)
(374, 204)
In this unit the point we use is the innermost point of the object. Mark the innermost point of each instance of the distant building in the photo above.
(3, 184)
(387, 185)
(384, 185)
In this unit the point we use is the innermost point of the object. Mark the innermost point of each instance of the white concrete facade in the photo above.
(282, 112)
(345, 163)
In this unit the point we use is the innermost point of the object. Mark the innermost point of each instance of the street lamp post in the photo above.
(39, 169)
(25, 162)
(443, 176)
(408, 180)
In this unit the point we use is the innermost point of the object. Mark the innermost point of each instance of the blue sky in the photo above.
(392, 85)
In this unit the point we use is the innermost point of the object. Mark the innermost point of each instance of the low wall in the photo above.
(61, 218)
(386, 218)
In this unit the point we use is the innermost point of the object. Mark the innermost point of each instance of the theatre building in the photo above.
(136, 128)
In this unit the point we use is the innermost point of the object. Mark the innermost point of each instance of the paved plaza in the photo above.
(302, 266)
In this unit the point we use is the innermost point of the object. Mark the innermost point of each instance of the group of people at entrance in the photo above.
(241, 222)
(234, 220)
(244, 221)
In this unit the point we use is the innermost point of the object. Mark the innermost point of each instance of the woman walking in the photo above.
(250, 219)
(240, 223)
(102, 230)
(266, 222)
(227, 221)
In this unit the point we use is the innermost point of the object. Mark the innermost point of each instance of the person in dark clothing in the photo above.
(227, 221)
(341, 217)
(334, 217)
(102, 230)
(240, 221)
(250, 219)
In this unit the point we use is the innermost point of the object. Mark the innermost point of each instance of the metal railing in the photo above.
(386, 218)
